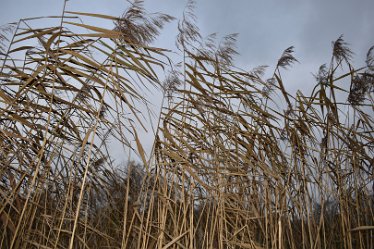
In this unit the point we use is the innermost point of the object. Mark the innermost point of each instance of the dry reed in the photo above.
(237, 161)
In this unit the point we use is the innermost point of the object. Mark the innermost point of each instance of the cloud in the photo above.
(327, 20)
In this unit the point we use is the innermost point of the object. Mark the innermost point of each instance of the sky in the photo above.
(265, 27)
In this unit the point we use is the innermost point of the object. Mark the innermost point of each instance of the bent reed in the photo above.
(237, 161)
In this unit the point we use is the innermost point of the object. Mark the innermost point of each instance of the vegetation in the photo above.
(237, 161)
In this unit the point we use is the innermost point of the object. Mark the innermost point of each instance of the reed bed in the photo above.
(237, 161)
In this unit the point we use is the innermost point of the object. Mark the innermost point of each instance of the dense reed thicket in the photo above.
(237, 161)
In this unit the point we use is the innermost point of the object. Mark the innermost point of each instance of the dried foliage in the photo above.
(4, 33)
(287, 58)
(172, 82)
(230, 168)
(361, 86)
(341, 51)
(188, 30)
(139, 27)
(370, 58)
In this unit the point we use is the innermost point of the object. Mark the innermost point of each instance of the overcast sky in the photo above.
(265, 27)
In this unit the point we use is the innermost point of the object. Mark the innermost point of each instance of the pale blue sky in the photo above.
(265, 27)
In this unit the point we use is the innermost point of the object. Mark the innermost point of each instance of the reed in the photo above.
(237, 161)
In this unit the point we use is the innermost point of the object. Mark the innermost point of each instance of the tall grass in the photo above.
(237, 161)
